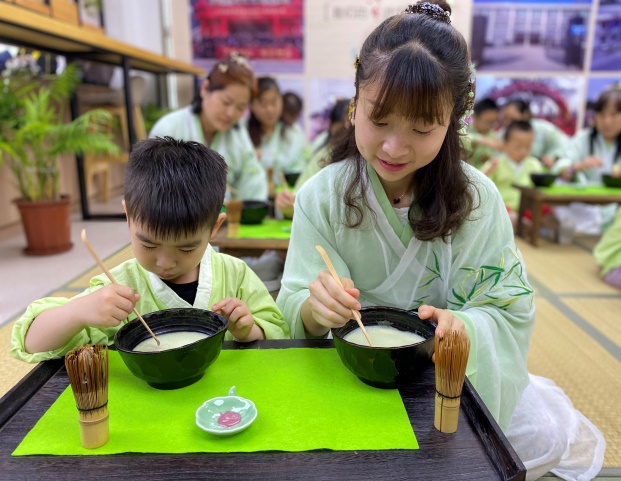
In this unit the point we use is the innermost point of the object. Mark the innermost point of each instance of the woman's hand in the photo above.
(284, 202)
(329, 306)
(445, 319)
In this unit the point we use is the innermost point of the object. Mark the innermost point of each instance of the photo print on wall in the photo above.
(519, 35)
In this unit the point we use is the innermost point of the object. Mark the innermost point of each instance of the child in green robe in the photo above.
(173, 196)
(484, 140)
(514, 165)
(408, 224)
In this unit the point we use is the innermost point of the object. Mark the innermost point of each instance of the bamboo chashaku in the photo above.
(87, 369)
(451, 355)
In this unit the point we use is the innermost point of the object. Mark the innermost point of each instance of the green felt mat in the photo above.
(268, 229)
(577, 190)
(305, 400)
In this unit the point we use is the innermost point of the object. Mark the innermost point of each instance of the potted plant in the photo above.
(32, 136)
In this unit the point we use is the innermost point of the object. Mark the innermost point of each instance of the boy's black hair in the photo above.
(521, 105)
(484, 105)
(520, 125)
(612, 96)
(174, 188)
(421, 69)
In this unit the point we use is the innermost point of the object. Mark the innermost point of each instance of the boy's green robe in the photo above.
(478, 273)
(509, 172)
(245, 173)
(220, 276)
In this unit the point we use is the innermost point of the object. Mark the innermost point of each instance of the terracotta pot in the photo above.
(47, 225)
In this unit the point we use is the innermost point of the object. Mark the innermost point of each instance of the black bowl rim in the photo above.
(146, 317)
(412, 313)
(255, 204)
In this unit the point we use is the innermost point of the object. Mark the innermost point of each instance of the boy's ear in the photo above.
(217, 225)
(125, 210)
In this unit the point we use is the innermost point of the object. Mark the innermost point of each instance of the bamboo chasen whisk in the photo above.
(87, 368)
(451, 352)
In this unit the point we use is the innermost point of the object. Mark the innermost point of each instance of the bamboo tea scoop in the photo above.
(326, 259)
(107, 272)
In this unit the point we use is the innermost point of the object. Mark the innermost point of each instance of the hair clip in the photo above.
(466, 118)
(431, 10)
(357, 62)
(223, 67)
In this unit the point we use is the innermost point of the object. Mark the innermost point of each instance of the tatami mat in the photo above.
(603, 314)
(590, 376)
(564, 268)
(82, 282)
(12, 370)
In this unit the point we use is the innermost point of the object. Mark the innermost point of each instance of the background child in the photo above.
(607, 253)
(484, 140)
(292, 106)
(514, 165)
(550, 141)
(407, 224)
(173, 195)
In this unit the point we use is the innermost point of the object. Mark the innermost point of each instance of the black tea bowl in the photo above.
(543, 180)
(292, 178)
(386, 367)
(178, 367)
(611, 181)
(254, 211)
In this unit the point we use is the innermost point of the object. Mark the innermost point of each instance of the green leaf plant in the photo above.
(33, 134)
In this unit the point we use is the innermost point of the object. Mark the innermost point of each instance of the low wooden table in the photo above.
(241, 246)
(533, 198)
(478, 450)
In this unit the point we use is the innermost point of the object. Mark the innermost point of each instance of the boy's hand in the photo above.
(241, 322)
(548, 161)
(106, 307)
(330, 305)
(590, 162)
(492, 166)
(445, 319)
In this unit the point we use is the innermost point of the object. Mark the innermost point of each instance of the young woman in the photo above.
(280, 146)
(407, 224)
(212, 120)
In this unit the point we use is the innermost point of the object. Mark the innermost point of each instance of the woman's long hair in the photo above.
(421, 66)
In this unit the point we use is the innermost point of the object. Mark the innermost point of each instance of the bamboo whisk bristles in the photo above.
(87, 369)
(451, 356)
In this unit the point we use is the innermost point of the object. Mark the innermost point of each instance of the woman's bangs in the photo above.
(418, 93)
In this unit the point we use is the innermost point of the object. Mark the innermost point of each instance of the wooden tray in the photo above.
(478, 450)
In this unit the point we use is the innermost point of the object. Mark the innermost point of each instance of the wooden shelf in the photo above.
(27, 28)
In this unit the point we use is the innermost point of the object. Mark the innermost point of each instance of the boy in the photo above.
(482, 134)
(514, 165)
(173, 195)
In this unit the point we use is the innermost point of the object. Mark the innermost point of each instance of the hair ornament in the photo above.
(466, 119)
(351, 109)
(357, 62)
(223, 67)
(431, 10)
(239, 59)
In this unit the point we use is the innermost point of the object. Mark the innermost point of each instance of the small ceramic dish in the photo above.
(226, 415)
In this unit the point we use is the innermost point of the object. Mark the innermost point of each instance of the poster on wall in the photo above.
(607, 39)
(595, 88)
(269, 32)
(323, 94)
(555, 99)
(527, 36)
